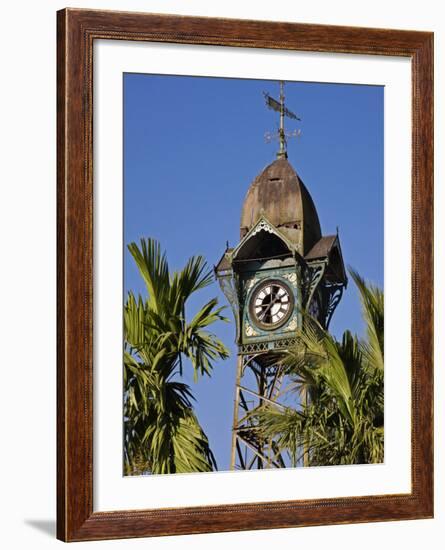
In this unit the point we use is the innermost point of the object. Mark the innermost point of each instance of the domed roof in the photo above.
(279, 194)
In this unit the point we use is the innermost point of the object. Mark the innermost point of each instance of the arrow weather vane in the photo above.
(281, 134)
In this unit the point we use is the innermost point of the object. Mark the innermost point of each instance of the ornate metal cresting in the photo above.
(282, 267)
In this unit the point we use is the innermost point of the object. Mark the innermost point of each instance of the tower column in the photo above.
(239, 369)
(258, 383)
(281, 267)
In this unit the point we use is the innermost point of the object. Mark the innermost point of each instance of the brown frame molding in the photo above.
(76, 31)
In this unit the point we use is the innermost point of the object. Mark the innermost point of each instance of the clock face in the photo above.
(271, 304)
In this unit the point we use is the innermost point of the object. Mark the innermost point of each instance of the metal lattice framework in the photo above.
(258, 347)
(260, 380)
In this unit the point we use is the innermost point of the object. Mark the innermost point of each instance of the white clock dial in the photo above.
(271, 304)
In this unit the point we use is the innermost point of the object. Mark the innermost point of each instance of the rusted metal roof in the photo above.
(328, 248)
(224, 263)
(322, 248)
(279, 194)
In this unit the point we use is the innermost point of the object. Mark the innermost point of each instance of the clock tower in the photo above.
(281, 267)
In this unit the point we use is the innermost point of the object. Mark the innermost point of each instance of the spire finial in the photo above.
(282, 135)
(282, 153)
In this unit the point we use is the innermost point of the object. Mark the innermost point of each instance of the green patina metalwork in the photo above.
(282, 261)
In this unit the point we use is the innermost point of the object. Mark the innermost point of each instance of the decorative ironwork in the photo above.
(284, 343)
(292, 278)
(253, 348)
(263, 226)
(335, 293)
(251, 283)
(313, 278)
(249, 330)
(292, 326)
(229, 286)
(258, 347)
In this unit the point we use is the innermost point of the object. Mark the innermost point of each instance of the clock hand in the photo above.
(273, 301)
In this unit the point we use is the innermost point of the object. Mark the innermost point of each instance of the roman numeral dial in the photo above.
(271, 304)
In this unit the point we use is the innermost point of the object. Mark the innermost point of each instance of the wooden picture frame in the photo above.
(77, 31)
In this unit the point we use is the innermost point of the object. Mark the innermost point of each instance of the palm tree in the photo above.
(340, 386)
(161, 432)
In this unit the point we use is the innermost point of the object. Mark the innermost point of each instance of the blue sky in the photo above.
(192, 146)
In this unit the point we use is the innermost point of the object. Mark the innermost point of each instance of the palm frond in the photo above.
(153, 267)
(372, 300)
(342, 421)
(162, 433)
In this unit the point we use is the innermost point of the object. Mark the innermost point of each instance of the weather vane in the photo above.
(281, 134)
